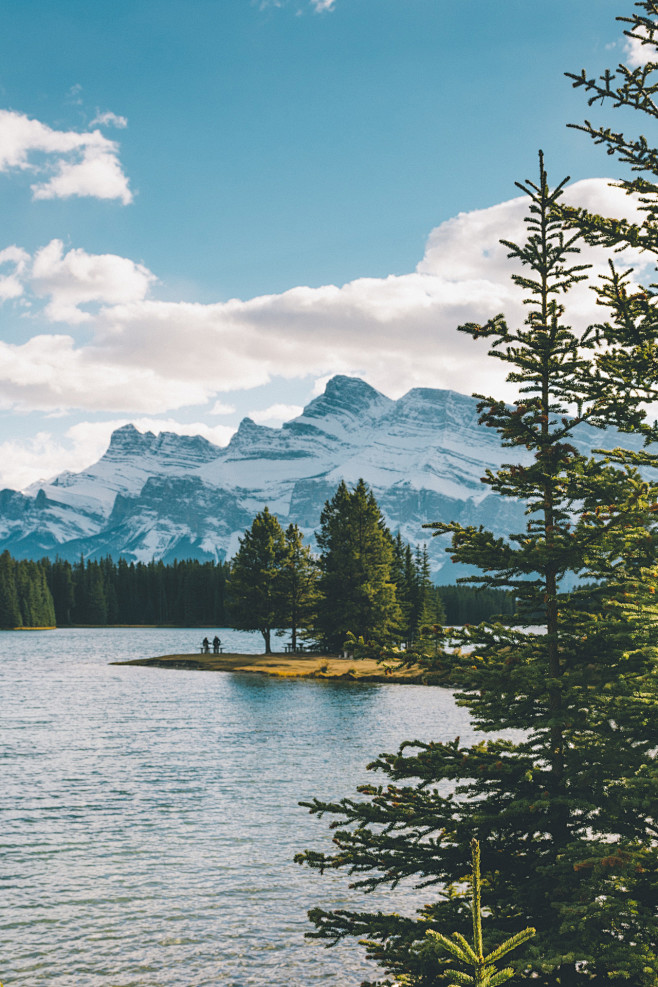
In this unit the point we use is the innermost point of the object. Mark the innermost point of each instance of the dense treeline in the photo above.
(191, 593)
(470, 604)
(186, 593)
(25, 599)
(365, 585)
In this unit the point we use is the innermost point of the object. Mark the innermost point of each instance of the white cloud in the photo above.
(637, 52)
(109, 119)
(97, 174)
(276, 414)
(149, 357)
(77, 278)
(38, 457)
(319, 6)
(220, 408)
(11, 285)
(48, 373)
(84, 164)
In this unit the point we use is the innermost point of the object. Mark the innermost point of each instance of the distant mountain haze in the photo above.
(171, 496)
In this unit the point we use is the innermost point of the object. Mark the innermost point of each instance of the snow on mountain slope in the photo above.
(132, 457)
(172, 496)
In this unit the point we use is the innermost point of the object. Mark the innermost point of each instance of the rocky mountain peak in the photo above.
(184, 448)
(129, 441)
(440, 408)
(352, 394)
(347, 399)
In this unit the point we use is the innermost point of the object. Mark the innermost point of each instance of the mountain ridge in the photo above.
(167, 496)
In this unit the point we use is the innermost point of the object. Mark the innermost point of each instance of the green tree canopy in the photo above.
(299, 576)
(25, 599)
(357, 594)
(256, 587)
(10, 610)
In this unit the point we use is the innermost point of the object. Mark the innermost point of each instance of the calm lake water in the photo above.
(150, 816)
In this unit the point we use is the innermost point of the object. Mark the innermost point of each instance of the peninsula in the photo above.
(294, 666)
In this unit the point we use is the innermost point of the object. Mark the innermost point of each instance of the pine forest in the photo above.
(207, 594)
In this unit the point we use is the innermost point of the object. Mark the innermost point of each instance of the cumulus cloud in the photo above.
(640, 47)
(70, 163)
(77, 278)
(109, 119)
(11, 284)
(276, 414)
(221, 408)
(38, 457)
(148, 356)
(49, 373)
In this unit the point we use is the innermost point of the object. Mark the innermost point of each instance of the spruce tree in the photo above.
(357, 594)
(428, 609)
(402, 577)
(37, 605)
(255, 585)
(568, 810)
(25, 599)
(299, 576)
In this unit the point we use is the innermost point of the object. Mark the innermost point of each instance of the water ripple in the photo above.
(150, 816)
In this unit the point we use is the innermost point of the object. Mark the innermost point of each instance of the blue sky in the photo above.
(210, 206)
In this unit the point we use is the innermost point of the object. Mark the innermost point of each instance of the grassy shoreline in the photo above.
(292, 666)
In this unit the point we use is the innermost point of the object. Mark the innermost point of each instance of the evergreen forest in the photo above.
(208, 594)
(25, 597)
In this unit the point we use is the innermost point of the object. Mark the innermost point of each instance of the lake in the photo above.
(150, 816)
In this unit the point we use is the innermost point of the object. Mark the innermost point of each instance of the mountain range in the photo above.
(171, 496)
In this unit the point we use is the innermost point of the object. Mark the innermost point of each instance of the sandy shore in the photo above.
(292, 666)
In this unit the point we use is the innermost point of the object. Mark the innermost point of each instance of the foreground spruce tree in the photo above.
(568, 809)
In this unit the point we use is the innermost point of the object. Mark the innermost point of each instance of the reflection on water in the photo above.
(150, 816)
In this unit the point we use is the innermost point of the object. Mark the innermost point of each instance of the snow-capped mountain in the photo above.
(171, 496)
